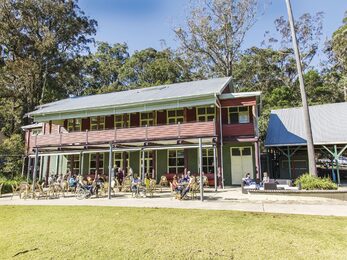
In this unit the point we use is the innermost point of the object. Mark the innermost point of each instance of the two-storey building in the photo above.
(152, 130)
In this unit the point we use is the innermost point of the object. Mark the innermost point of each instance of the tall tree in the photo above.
(150, 67)
(39, 43)
(214, 33)
(101, 69)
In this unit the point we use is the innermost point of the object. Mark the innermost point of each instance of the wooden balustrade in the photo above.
(147, 133)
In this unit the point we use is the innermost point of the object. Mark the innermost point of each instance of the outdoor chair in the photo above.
(41, 191)
(205, 180)
(24, 190)
(15, 190)
(126, 184)
(117, 186)
(194, 190)
(104, 189)
(163, 182)
(151, 188)
(174, 194)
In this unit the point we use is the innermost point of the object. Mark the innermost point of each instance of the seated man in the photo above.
(72, 182)
(247, 180)
(187, 189)
(135, 183)
(99, 182)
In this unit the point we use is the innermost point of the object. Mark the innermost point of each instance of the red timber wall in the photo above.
(238, 129)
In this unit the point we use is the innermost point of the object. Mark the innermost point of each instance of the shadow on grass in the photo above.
(25, 251)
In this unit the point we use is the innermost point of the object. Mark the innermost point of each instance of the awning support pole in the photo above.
(143, 166)
(29, 168)
(82, 162)
(23, 166)
(215, 167)
(289, 163)
(35, 168)
(200, 171)
(337, 164)
(109, 171)
(41, 166)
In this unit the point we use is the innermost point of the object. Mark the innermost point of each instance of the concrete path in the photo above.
(231, 199)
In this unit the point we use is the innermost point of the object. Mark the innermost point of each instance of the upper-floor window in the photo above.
(175, 116)
(74, 125)
(121, 121)
(146, 118)
(204, 114)
(97, 123)
(36, 131)
(239, 115)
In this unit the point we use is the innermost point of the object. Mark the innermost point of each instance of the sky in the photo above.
(147, 23)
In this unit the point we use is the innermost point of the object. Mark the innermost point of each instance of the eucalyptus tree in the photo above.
(39, 45)
(214, 32)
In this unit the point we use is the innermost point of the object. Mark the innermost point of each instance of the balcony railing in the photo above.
(147, 133)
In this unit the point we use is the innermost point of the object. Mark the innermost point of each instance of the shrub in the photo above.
(7, 188)
(309, 182)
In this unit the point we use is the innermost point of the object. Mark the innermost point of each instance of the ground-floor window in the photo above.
(148, 162)
(73, 163)
(119, 158)
(207, 160)
(176, 161)
(96, 162)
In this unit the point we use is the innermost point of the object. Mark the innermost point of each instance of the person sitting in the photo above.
(175, 185)
(120, 175)
(266, 178)
(50, 180)
(185, 178)
(247, 180)
(147, 181)
(72, 182)
(99, 182)
(187, 189)
(60, 179)
(135, 183)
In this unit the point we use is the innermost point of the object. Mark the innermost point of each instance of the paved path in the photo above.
(231, 199)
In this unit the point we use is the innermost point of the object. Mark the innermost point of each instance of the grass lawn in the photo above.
(41, 232)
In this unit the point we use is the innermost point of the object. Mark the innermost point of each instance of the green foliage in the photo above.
(11, 152)
(101, 69)
(339, 43)
(7, 184)
(309, 182)
(150, 67)
(39, 45)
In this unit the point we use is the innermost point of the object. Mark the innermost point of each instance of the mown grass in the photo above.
(41, 232)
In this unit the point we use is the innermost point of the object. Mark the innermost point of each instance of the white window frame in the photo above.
(207, 153)
(238, 112)
(175, 167)
(75, 169)
(122, 122)
(147, 121)
(72, 126)
(99, 125)
(204, 117)
(101, 159)
(176, 118)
